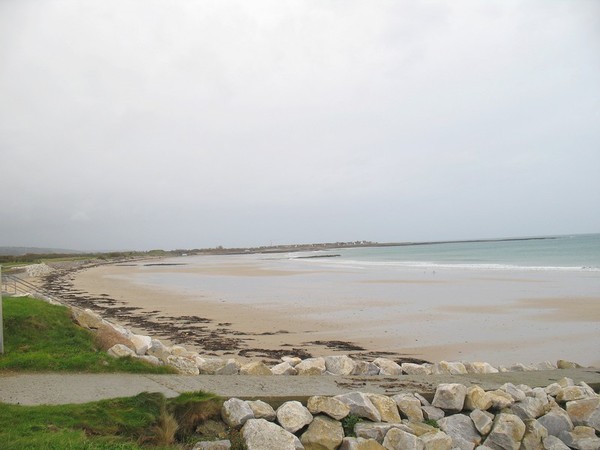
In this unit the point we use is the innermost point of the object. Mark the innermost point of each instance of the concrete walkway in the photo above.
(35, 389)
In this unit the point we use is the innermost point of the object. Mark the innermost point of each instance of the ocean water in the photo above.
(574, 252)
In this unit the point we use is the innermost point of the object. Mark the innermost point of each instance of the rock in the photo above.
(507, 433)
(555, 421)
(585, 412)
(388, 367)
(462, 431)
(141, 343)
(562, 364)
(259, 434)
(571, 393)
(231, 367)
(212, 445)
(255, 368)
(415, 369)
(183, 365)
(333, 407)
(311, 366)
(107, 335)
(477, 398)
(120, 351)
(534, 435)
(566, 382)
(179, 350)
(420, 428)
(387, 408)
(323, 433)
(377, 430)
(554, 443)
(292, 416)
(482, 420)
(410, 407)
(450, 397)
(500, 399)
(360, 444)
(365, 368)
(236, 412)
(529, 408)
(432, 413)
(480, 367)
(519, 368)
(360, 405)
(291, 360)
(262, 410)
(436, 440)
(581, 438)
(149, 359)
(517, 394)
(339, 365)
(449, 368)
(285, 368)
(422, 399)
(397, 439)
(159, 350)
(209, 366)
(553, 389)
(86, 318)
(545, 365)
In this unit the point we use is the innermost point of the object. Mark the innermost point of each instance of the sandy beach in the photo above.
(252, 306)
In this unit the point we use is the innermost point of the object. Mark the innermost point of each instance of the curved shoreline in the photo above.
(222, 327)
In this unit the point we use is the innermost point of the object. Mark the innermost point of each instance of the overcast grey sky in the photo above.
(180, 124)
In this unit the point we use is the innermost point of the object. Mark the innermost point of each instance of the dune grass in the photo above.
(40, 337)
(136, 422)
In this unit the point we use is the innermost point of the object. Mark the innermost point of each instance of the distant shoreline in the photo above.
(357, 244)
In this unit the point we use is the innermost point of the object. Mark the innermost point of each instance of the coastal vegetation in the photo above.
(42, 337)
(148, 420)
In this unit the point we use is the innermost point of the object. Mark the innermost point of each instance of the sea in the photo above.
(554, 253)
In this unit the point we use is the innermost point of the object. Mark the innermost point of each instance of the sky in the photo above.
(134, 125)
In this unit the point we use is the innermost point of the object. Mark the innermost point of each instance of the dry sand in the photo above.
(406, 315)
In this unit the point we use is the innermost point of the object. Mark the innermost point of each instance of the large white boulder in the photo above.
(339, 365)
(331, 406)
(397, 439)
(450, 396)
(259, 434)
(141, 343)
(462, 431)
(236, 412)
(185, 366)
(507, 433)
(410, 407)
(311, 366)
(360, 405)
(388, 367)
(293, 416)
(323, 433)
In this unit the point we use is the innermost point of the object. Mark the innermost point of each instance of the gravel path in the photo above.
(36, 389)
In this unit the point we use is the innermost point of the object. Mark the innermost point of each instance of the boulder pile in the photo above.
(124, 343)
(562, 416)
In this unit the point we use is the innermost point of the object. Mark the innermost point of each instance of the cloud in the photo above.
(192, 124)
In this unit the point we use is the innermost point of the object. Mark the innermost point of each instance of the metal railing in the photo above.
(13, 285)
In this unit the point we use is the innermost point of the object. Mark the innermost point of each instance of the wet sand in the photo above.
(253, 307)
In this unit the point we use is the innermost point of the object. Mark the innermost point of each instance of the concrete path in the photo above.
(35, 389)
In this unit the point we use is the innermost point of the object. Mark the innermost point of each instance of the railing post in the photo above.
(1, 318)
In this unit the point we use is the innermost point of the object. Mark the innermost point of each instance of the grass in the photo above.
(39, 337)
(144, 421)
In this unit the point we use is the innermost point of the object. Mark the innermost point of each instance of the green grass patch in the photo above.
(40, 337)
(124, 423)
